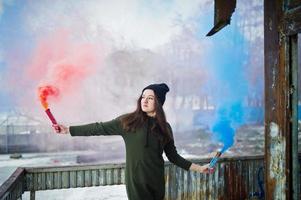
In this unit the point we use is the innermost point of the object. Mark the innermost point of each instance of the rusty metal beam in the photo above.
(275, 141)
(294, 120)
(292, 21)
(280, 101)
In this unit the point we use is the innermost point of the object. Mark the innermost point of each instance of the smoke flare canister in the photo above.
(51, 117)
(214, 160)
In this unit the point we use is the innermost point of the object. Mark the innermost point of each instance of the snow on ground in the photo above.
(8, 166)
(114, 192)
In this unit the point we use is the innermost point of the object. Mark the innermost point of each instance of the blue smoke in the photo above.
(223, 128)
(223, 131)
(228, 58)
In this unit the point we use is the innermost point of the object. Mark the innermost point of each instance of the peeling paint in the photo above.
(277, 162)
(274, 129)
(274, 74)
(270, 24)
(292, 27)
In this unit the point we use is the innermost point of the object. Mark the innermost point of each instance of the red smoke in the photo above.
(61, 65)
(45, 92)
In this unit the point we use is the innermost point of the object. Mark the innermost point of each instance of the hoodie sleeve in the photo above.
(112, 127)
(172, 154)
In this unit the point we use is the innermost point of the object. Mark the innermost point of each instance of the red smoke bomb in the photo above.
(51, 117)
(44, 92)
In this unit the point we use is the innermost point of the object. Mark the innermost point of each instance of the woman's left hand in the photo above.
(205, 168)
(200, 168)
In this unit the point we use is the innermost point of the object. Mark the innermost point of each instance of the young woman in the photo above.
(146, 134)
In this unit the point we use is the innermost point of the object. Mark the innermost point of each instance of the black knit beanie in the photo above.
(160, 90)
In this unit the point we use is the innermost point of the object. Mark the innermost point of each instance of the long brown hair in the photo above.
(133, 121)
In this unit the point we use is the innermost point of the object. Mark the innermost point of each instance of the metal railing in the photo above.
(234, 178)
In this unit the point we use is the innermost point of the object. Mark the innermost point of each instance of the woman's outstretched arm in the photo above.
(112, 127)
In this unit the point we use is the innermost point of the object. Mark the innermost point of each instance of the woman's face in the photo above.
(148, 102)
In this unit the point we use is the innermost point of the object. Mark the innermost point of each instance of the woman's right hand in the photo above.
(61, 129)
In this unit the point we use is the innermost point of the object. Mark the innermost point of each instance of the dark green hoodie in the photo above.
(144, 173)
